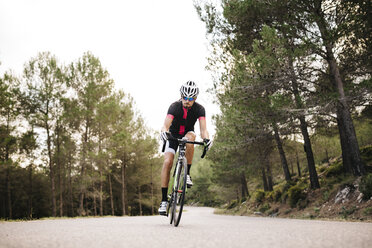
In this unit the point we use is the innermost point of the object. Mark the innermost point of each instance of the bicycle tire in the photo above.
(170, 209)
(174, 194)
(180, 192)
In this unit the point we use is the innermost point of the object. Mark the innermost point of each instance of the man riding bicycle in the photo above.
(180, 121)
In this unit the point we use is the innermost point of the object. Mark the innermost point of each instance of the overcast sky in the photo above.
(149, 47)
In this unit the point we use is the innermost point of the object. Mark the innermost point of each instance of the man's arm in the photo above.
(167, 123)
(203, 128)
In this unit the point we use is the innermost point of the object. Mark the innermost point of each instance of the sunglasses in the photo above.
(188, 98)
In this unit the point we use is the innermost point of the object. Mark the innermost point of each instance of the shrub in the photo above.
(274, 196)
(366, 153)
(325, 195)
(295, 194)
(367, 211)
(335, 169)
(365, 186)
(233, 204)
(287, 185)
(346, 212)
(264, 208)
(259, 196)
(302, 203)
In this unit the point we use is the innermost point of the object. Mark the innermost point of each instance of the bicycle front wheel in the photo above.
(180, 192)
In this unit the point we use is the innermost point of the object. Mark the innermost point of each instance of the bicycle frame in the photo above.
(179, 187)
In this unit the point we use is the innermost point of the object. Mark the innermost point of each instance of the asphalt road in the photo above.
(199, 227)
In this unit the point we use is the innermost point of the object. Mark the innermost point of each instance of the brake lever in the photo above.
(204, 152)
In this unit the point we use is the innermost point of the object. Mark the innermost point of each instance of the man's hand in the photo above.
(164, 136)
(207, 143)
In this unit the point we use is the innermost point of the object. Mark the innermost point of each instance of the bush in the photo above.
(335, 169)
(295, 194)
(365, 186)
(259, 196)
(264, 208)
(302, 203)
(346, 212)
(367, 211)
(284, 190)
(366, 153)
(233, 204)
(274, 196)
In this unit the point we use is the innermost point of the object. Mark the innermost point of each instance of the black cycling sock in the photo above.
(164, 193)
(188, 169)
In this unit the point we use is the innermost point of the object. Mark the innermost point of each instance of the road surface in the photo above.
(199, 227)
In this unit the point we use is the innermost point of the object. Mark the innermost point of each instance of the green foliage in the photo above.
(366, 153)
(264, 64)
(345, 212)
(259, 196)
(335, 169)
(367, 211)
(365, 186)
(264, 208)
(296, 194)
(233, 204)
(204, 192)
(274, 195)
(89, 139)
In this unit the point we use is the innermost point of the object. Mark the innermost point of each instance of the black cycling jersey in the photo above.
(184, 119)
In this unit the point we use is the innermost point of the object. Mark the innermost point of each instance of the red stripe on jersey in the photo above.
(182, 130)
(201, 118)
(184, 113)
(170, 116)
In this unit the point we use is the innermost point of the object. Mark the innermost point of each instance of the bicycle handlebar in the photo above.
(170, 137)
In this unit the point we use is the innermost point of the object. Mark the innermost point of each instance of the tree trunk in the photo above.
(283, 159)
(94, 193)
(30, 192)
(243, 180)
(123, 188)
(152, 194)
(264, 179)
(140, 200)
(111, 196)
(51, 167)
(8, 190)
(347, 122)
(327, 156)
(100, 192)
(298, 164)
(8, 168)
(70, 189)
(314, 182)
(83, 164)
(346, 159)
(59, 166)
(270, 185)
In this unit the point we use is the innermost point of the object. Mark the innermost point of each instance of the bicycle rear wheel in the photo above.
(180, 192)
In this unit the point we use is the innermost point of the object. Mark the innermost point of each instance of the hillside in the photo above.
(341, 196)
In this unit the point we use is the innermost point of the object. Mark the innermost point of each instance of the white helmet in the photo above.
(189, 89)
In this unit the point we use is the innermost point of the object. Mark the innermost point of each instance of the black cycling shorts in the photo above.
(172, 145)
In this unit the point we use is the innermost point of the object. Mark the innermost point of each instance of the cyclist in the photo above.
(180, 121)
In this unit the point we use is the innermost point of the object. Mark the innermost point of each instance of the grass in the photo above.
(367, 211)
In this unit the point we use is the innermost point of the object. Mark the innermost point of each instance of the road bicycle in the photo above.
(179, 189)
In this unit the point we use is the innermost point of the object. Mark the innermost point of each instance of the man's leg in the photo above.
(190, 147)
(165, 175)
(167, 166)
(189, 155)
